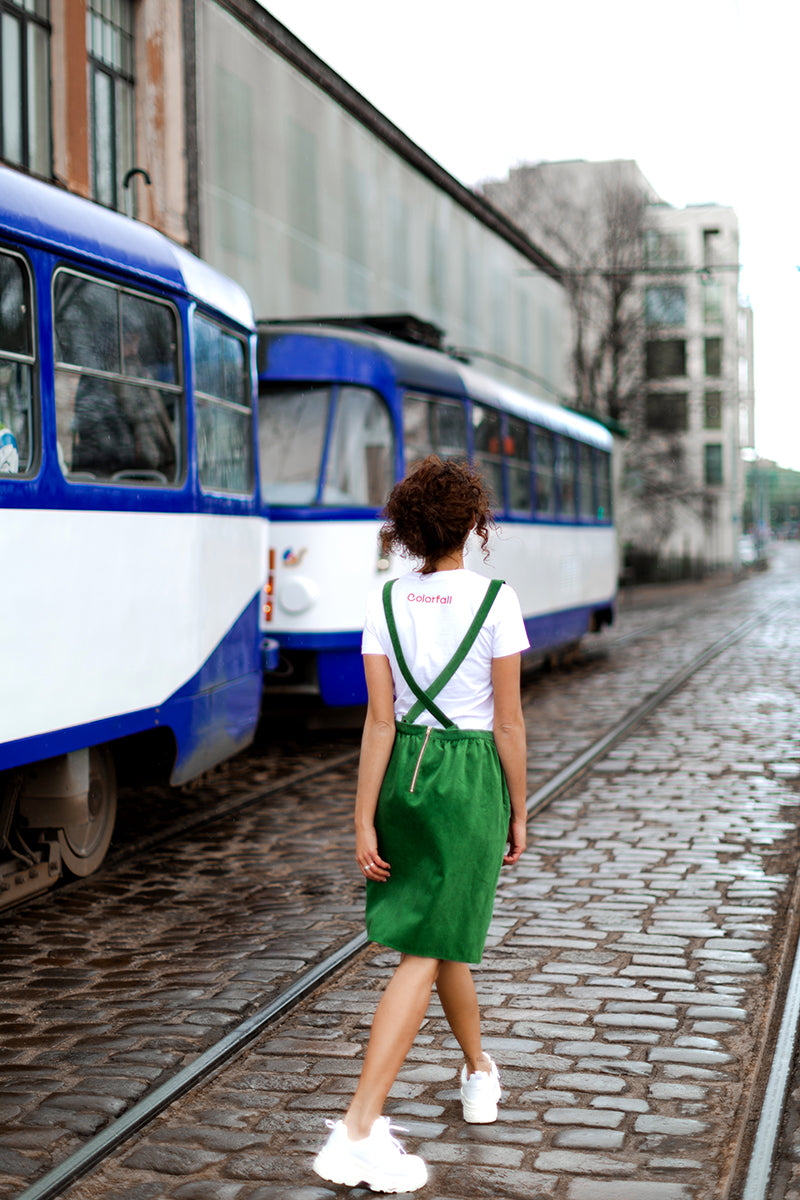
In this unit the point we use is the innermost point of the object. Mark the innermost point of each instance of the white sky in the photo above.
(703, 94)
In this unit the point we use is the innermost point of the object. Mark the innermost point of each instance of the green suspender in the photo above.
(425, 699)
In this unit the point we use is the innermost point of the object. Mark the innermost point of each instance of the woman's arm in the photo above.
(509, 736)
(376, 749)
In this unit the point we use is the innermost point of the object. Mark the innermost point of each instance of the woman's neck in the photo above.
(454, 561)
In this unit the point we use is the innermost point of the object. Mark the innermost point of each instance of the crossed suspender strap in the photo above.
(425, 698)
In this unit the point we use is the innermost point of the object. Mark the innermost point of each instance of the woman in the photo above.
(440, 801)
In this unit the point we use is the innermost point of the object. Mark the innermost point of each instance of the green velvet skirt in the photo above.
(442, 825)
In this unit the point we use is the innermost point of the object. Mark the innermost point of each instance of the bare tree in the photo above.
(591, 218)
(594, 228)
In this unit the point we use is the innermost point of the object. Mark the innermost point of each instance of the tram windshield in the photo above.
(323, 445)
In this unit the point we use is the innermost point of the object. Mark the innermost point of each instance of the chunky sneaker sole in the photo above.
(479, 1096)
(337, 1172)
(348, 1163)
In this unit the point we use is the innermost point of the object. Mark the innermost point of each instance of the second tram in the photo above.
(343, 413)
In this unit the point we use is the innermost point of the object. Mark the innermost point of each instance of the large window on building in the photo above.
(665, 305)
(713, 356)
(665, 359)
(713, 463)
(667, 412)
(712, 410)
(25, 84)
(665, 248)
(109, 38)
(713, 310)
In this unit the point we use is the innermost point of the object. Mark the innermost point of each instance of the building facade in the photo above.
(659, 342)
(698, 387)
(92, 99)
(209, 120)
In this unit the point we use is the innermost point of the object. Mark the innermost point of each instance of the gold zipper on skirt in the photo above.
(419, 760)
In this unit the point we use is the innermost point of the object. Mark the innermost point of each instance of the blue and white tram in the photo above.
(133, 552)
(343, 413)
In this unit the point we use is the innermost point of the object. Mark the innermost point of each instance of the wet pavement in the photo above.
(624, 987)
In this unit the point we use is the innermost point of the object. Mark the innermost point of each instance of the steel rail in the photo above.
(147, 1109)
(762, 1154)
(103, 1144)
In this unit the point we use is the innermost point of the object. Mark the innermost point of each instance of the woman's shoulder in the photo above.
(479, 583)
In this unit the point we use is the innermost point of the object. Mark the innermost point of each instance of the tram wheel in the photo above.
(84, 843)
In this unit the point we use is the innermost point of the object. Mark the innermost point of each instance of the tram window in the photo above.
(291, 436)
(518, 465)
(223, 409)
(361, 455)
(450, 429)
(16, 368)
(604, 493)
(585, 482)
(149, 346)
(119, 400)
(545, 492)
(488, 450)
(565, 471)
(433, 426)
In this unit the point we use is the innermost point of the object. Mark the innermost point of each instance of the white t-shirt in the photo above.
(432, 613)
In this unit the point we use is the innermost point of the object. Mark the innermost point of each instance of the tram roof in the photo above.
(316, 352)
(61, 222)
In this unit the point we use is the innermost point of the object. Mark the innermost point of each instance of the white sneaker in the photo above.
(378, 1160)
(479, 1095)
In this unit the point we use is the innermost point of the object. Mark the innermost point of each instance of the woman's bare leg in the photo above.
(395, 1025)
(456, 989)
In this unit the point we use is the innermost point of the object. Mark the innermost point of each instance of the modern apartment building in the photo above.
(697, 408)
(660, 343)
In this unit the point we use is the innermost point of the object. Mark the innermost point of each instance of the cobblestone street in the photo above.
(625, 986)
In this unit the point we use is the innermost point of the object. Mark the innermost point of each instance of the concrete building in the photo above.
(211, 121)
(698, 393)
(659, 342)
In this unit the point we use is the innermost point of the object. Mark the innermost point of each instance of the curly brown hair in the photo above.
(430, 513)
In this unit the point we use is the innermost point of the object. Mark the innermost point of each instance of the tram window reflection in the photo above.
(119, 400)
(545, 491)
(361, 455)
(433, 426)
(565, 473)
(488, 450)
(223, 411)
(604, 491)
(518, 465)
(586, 505)
(291, 437)
(16, 369)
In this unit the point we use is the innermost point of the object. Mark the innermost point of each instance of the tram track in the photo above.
(125, 1128)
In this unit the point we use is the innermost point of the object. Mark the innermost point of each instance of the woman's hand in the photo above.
(517, 840)
(372, 865)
